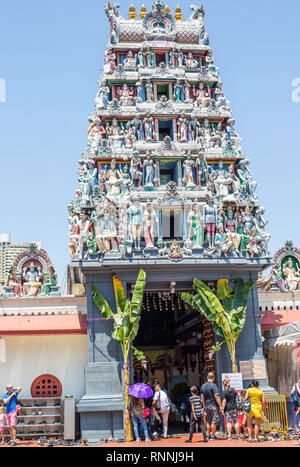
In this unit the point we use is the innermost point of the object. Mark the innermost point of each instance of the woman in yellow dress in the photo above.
(258, 407)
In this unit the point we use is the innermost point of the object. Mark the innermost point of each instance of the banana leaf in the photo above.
(119, 294)
(223, 289)
(196, 301)
(138, 294)
(101, 303)
(209, 298)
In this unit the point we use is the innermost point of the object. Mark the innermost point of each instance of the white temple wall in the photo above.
(29, 357)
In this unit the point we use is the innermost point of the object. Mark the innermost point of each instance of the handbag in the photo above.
(147, 412)
(157, 404)
(295, 398)
(239, 403)
(247, 406)
(173, 407)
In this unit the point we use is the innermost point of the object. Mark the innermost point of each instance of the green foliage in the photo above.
(227, 310)
(127, 318)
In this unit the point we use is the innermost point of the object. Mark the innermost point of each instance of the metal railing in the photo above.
(276, 419)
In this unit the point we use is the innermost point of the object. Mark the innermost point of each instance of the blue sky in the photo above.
(51, 55)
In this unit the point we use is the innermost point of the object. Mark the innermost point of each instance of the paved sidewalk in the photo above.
(178, 441)
(198, 443)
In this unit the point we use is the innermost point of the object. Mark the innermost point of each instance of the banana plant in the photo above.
(126, 321)
(227, 310)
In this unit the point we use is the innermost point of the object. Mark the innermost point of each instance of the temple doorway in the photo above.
(176, 341)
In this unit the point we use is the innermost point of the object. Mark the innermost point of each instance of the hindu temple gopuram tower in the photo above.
(163, 185)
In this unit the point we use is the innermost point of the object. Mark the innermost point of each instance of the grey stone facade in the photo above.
(101, 408)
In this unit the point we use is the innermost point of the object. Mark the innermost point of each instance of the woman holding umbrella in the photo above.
(138, 392)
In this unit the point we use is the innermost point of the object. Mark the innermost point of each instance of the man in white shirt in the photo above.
(161, 405)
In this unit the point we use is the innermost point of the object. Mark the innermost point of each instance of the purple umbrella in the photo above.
(140, 391)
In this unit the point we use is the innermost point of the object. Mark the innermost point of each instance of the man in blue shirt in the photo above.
(10, 401)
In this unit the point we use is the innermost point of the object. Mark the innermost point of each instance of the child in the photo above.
(2, 423)
(244, 422)
(196, 415)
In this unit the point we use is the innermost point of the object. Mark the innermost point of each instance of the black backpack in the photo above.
(239, 402)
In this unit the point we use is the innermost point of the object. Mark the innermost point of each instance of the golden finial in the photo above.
(143, 12)
(132, 12)
(178, 14)
(167, 9)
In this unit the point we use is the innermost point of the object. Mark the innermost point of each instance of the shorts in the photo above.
(212, 416)
(2, 427)
(231, 417)
(11, 419)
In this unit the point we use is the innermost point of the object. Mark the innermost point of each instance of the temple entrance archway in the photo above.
(176, 341)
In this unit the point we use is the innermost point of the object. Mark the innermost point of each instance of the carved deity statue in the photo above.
(188, 178)
(150, 169)
(32, 280)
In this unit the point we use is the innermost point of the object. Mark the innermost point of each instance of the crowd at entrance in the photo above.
(206, 409)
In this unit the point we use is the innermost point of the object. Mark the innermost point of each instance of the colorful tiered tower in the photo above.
(163, 180)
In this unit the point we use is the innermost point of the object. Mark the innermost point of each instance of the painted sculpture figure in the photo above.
(162, 123)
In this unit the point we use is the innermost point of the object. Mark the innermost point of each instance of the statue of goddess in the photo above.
(107, 238)
(136, 174)
(202, 169)
(195, 226)
(141, 57)
(182, 128)
(114, 129)
(148, 125)
(172, 58)
(140, 90)
(12, 281)
(136, 222)
(130, 60)
(291, 275)
(253, 245)
(149, 91)
(190, 62)
(32, 278)
(103, 95)
(193, 129)
(179, 57)
(150, 169)
(186, 92)
(177, 91)
(113, 181)
(150, 221)
(110, 62)
(248, 221)
(223, 241)
(188, 178)
(202, 97)
(149, 57)
(221, 181)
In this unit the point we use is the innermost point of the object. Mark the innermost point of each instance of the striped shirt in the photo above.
(196, 402)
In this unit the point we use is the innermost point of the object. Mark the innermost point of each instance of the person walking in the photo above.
(229, 405)
(258, 407)
(243, 414)
(295, 399)
(211, 401)
(185, 408)
(196, 415)
(136, 408)
(2, 423)
(161, 406)
(10, 399)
